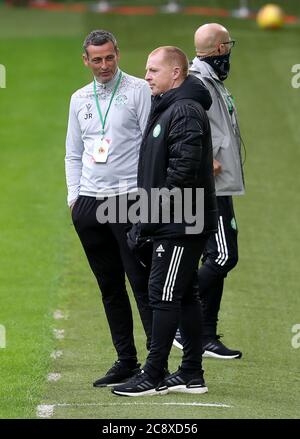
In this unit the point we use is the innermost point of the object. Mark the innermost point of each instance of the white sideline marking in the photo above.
(56, 354)
(58, 315)
(53, 376)
(59, 334)
(194, 404)
(44, 411)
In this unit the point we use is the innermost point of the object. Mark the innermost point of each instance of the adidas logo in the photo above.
(160, 250)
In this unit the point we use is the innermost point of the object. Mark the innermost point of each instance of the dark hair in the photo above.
(98, 38)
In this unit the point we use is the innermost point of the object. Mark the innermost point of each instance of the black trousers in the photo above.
(174, 298)
(109, 257)
(219, 257)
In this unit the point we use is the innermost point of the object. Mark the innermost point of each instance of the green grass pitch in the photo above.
(42, 266)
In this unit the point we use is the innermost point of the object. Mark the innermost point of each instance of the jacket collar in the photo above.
(191, 88)
(204, 68)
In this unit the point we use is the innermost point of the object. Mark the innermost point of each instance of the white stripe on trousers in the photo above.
(221, 243)
(172, 273)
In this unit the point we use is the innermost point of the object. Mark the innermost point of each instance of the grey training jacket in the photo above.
(225, 131)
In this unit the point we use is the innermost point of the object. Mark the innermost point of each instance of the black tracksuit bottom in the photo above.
(110, 258)
(174, 298)
(219, 257)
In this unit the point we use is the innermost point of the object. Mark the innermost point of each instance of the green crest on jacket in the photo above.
(157, 130)
(233, 224)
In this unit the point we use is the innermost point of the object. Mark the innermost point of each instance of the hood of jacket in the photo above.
(191, 88)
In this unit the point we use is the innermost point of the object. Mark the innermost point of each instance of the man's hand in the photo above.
(141, 247)
(217, 167)
(72, 205)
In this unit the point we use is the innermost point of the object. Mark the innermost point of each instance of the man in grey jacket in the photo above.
(106, 122)
(211, 65)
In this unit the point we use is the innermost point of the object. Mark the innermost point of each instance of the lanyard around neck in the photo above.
(103, 120)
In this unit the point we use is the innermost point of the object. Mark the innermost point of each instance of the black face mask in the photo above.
(220, 64)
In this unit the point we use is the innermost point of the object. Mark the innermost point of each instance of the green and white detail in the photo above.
(157, 130)
(233, 224)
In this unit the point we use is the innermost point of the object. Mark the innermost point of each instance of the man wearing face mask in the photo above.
(212, 63)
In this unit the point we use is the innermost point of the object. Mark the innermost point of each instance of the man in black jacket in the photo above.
(175, 165)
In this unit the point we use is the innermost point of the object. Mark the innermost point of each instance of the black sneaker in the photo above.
(117, 374)
(178, 340)
(141, 385)
(183, 382)
(214, 348)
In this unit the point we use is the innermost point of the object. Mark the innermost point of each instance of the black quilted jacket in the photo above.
(176, 152)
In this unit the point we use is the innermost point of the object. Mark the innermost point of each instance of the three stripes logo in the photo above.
(172, 274)
(221, 243)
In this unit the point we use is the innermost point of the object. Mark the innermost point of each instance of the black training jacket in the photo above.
(176, 152)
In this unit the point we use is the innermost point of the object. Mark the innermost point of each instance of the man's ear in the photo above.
(176, 72)
(85, 59)
(221, 49)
